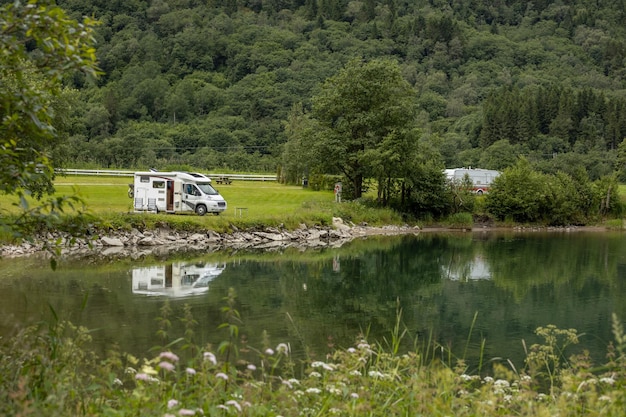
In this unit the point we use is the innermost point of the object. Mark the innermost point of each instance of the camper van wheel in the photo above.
(479, 192)
(200, 210)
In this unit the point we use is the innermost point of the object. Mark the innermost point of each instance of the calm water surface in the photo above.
(496, 288)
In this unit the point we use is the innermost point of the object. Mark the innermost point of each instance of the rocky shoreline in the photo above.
(160, 242)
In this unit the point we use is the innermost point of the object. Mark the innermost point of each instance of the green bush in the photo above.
(523, 195)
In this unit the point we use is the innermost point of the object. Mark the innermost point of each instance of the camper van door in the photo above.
(191, 197)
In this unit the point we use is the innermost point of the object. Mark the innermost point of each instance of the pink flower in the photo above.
(269, 351)
(190, 371)
(222, 376)
(186, 412)
(169, 356)
(167, 366)
(172, 403)
(142, 377)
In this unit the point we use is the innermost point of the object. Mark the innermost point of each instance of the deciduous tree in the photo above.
(40, 46)
(360, 109)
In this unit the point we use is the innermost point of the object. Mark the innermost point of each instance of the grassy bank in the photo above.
(266, 204)
(51, 371)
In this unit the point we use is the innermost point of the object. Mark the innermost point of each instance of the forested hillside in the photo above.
(212, 83)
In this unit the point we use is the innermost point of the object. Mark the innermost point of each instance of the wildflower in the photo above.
(525, 378)
(251, 367)
(190, 371)
(354, 395)
(466, 377)
(501, 384)
(355, 373)
(169, 356)
(234, 404)
(333, 390)
(607, 380)
(315, 374)
(376, 374)
(282, 348)
(605, 398)
(222, 406)
(149, 370)
(488, 380)
(222, 376)
(186, 412)
(294, 381)
(130, 370)
(118, 381)
(143, 377)
(172, 403)
(208, 356)
(269, 351)
(166, 366)
(313, 390)
(351, 350)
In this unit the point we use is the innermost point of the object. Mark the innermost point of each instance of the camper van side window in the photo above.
(144, 179)
(191, 189)
(158, 184)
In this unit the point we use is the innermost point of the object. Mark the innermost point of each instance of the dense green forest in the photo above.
(211, 84)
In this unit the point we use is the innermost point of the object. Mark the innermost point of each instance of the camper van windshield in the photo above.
(207, 189)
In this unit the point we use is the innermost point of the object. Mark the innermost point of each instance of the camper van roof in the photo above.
(179, 174)
(195, 174)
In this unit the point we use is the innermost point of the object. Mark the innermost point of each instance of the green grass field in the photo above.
(267, 204)
(106, 195)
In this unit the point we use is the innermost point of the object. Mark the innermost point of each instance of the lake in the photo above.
(476, 294)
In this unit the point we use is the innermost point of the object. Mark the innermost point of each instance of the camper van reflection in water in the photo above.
(176, 279)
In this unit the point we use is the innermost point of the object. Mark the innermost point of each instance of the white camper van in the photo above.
(175, 192)
(481, 178)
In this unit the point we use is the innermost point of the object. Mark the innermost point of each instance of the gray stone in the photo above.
(111, 241)
(196, 237)
(270, 236)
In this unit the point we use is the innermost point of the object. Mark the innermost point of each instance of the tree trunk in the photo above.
(358, 186)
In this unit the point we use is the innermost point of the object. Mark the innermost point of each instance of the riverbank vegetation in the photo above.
(521, 196)
(50, 369)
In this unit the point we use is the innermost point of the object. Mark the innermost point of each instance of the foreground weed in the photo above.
(543, 361)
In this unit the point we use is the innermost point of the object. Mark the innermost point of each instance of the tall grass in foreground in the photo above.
(51, 371)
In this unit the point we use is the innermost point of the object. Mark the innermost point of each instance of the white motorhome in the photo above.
(176, 279)
(481, 178)
(175, 192)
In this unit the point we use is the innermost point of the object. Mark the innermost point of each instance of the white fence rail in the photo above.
(118, 173)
